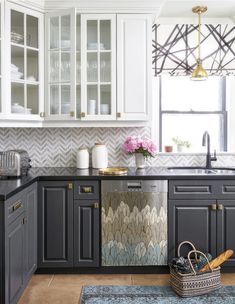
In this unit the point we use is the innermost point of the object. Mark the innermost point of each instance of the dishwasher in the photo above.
(134, 222)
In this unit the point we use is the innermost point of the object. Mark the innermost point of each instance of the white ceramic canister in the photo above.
(83, 158)
(99, 156)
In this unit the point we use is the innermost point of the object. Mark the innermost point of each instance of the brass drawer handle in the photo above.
(70, 186)
(83, 114)
(96, 205)
(220, 207)
(87, 189)
(16, 206)
(213, 207)
(72, 114)
(42, 114)
(119, 114)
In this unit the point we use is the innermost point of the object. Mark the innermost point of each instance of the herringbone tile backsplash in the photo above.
(56, 147)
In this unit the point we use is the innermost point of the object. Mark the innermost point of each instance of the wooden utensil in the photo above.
(218, 260)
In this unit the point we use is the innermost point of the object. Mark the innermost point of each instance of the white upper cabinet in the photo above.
(81, 66)
(24, 62)
(60, 65)
(98, 67)
(134, 66)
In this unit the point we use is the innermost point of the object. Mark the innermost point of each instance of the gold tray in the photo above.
(113, 171)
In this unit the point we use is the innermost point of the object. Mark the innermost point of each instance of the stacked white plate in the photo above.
(15, 73)
(94, 46)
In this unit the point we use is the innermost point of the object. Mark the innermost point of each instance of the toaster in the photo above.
(14, 163)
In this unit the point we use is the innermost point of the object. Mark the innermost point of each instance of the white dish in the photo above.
(65, 43)
(16, 108)
(28, 111)
(16, 75)
(31, 78)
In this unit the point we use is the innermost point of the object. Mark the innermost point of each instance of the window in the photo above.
(189, 108)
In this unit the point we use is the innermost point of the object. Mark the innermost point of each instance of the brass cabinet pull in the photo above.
(87, 189)
(42, 114)
(213, 207)
(72, 114)
(220, 207)
(119, 114)
(70, 186)
(83, 114)
(16, 206)
(96, 205)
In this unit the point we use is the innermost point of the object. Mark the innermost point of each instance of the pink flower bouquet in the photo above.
(136, 144)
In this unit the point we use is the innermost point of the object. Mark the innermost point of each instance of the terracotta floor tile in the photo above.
(151, 279)
(51, 295)
(228, 278)
(80, 280)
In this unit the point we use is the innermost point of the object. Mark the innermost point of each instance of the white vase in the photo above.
(139, 160)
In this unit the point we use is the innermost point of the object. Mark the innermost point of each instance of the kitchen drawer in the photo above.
(86, 190)
(194, 189)
(15, 206)
(226, 189)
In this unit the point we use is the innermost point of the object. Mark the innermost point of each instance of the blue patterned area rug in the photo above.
(151, 295)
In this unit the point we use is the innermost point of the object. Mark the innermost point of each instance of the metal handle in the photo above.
(24, 221)
(220, 207)
(96, 205)
(119, 114)
(83, 114)
(42, 114)
(16, 206)
(213, 207)
(70, 186)
(72, 114)
(87, 189)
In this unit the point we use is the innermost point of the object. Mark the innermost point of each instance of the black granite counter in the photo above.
(11, 186)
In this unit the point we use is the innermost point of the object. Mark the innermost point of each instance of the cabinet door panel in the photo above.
(86, 234)
(134, 66)
(14, 256)
(30, 259)
(55, 211)
(226, 228)
(194, 221)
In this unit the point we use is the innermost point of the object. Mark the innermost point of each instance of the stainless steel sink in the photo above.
(201, 170)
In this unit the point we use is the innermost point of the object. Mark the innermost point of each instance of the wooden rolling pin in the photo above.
(218, 261)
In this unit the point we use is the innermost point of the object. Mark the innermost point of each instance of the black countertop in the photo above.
(11, 186)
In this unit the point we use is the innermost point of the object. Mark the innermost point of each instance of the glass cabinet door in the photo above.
(25, 70)
(61, 65)
(98, 57)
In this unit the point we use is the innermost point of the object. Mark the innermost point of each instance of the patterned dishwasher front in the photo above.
(134, 223)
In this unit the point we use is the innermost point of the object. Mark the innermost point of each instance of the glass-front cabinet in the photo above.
(60, 62)
(25, 58)
(98, 57)
(81, 62)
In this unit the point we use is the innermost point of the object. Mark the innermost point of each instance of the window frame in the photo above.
(223, 112)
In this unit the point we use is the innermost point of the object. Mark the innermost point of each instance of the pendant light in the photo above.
(199, 73)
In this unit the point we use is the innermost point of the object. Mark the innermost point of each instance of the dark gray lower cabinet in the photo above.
(55, 224)
(209, 223)
(86, 233)
(20, 256)
(226, 228)
(14, 261)
(194, 221)
(30, 258)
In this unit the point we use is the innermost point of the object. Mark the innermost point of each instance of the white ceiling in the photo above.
(183, 8)
(161, 8)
